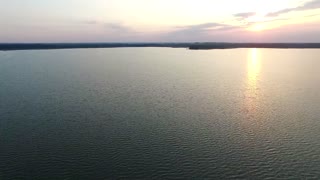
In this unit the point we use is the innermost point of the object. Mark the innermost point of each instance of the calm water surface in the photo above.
(160, 113)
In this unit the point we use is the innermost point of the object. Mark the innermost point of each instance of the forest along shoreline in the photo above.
(191, 46)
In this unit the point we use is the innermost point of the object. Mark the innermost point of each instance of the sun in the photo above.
(257, 27)
(257, 22)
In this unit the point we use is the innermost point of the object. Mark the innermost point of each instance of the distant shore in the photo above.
(205, 46)
(191, 46)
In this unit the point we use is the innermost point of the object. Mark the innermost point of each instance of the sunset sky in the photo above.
(159, 20)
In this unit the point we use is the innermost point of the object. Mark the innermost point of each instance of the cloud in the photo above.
(200, 32)
(118, 27)
(273, 20)
(244, 15)
(110, 27)
(89, 22)
(206, 27)
(315, 4)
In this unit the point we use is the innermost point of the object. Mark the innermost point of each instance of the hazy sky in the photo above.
(159, 20)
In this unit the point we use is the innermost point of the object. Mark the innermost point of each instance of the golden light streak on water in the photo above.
(252, 89)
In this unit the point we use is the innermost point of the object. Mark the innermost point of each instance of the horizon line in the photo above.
(189, 45)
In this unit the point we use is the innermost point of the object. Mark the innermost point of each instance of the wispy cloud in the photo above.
(89, 22)
(206, 27)
(118, 27)
(244, 15)
(314, 4)
(199, 32)
(111, 27)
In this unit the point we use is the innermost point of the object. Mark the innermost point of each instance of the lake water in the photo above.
(160, 113)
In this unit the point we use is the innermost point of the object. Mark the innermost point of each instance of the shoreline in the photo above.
(191, 46)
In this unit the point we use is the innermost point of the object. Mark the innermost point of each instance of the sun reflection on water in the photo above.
(253, 68)
(252, 89)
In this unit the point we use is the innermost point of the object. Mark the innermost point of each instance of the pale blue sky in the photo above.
(159, 20)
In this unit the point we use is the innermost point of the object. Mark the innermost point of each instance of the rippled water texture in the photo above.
(160, 113)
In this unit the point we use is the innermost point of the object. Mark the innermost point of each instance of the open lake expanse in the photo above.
(160, 113)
